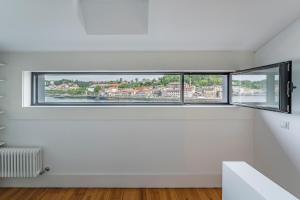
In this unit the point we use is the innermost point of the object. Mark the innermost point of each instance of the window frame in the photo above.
(285, 102)
(35, 102)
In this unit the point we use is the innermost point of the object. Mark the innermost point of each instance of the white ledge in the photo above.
(134, 106)
(241, 181)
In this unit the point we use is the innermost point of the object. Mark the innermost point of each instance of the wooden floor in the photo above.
(110, 194)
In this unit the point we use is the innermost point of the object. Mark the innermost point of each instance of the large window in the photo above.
(146, 88)
(268, 87)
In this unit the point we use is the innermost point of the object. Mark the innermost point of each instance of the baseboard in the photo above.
(118, 181)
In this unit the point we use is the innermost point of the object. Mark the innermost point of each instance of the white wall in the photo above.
(128, 146)
(276, 150)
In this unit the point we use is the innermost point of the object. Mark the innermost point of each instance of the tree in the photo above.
(97, 89)
(166, 79)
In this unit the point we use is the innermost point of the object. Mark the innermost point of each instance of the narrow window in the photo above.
(267, 87)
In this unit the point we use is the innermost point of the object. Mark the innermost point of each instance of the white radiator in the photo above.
(20, 162)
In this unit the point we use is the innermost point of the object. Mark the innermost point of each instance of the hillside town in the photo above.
(100, 89)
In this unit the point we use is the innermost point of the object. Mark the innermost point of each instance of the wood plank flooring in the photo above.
(109, 194)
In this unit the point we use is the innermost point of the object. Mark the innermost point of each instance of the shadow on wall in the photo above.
(277, 150)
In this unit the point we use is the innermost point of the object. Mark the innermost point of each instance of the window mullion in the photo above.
(182, 88)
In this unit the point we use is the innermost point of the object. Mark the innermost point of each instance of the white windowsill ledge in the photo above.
(135, 106)
(111, 113)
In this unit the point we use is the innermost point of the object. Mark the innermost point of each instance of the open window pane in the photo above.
(205, 88)
(264, 87)
(258, 88)
(105, 88)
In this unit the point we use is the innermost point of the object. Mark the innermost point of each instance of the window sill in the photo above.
(112, 113)
(136, 106)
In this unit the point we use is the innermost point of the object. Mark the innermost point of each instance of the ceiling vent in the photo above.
(106, 17)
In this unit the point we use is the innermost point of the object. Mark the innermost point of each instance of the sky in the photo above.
(249, 77)
(252, 77)
(258, 75)
(92, 77)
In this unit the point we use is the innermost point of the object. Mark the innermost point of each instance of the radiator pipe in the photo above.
(46, 169)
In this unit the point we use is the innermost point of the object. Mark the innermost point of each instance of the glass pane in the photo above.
(259, 88)
(203, 88)
(108, 88)
(296, 93)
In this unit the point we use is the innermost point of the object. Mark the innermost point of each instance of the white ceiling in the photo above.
(54, 25)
